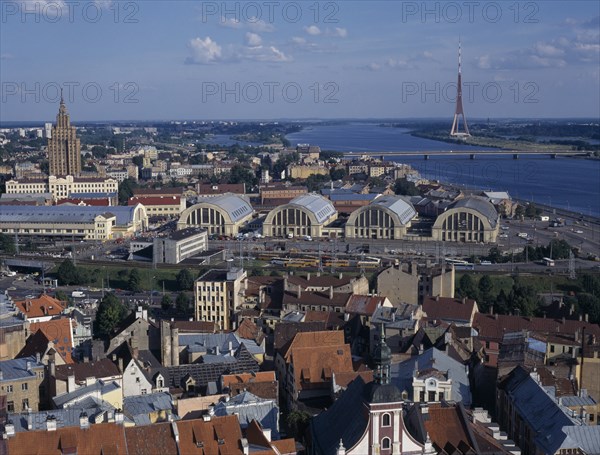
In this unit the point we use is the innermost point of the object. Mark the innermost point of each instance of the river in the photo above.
(569, 183)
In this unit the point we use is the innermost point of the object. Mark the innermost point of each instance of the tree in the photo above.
(135, 281)
(67, 274)
(61, 295)
(126, 190)
(241, 174)
(109, 315)
(314, 182)
(166, 302)
(338, 174)
(485, 286)
(467, 287)
(7, 244)
(185, 280)
(297, 423)
(405, 188)
(182, 303)
(531, 211)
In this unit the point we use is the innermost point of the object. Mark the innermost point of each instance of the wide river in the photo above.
(569, 183)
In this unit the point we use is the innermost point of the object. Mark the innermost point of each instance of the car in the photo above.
(504, 228)
(503, 236)
(12, 288)
(578, 231)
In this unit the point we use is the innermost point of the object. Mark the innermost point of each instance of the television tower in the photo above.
(459, 105)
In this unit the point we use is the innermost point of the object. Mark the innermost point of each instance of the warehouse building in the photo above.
(224, 214)
(387, 217)
(304, 215)
(83, 223)
(472, 219)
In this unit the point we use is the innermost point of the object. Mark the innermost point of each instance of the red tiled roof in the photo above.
(154, 200)
(158, 191)
(224, 429)
(42, 306)
(105, 438)
(447, 308)
(364, 304)
(151, 439)
(59, 332)
(445, 426)
(100, 369)
(493, 326)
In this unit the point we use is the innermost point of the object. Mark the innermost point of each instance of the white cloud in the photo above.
(340, 32)
(312, 30)
(253, 40)
(204, 51)
(298, 40)
(263, 54)
(231, 23)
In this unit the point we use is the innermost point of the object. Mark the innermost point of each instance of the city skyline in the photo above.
(213, 60)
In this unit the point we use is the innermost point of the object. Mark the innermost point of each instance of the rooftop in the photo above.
(17, 369)
(321, 207)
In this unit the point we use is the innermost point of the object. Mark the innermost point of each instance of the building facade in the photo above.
(387, 217)
(471, 219)
(223, 215)
(64, 147)
(180, 245)
(304, 215)
(23, 381)
(218, 295)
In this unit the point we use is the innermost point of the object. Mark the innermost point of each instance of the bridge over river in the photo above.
(472, 154)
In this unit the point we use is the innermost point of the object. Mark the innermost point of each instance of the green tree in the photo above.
(589, 304)
(67, 274)
(134, 283)
(315, 182)
(126, 188)
(109, 315)
(297, 423)
(182, 303)
(242, 174)
(7, 244)
(485, 285)
(466, 286)
(185, 280)
(166, 303)
(337, 174)
(61, 295)
(405, 187)
(531, 211)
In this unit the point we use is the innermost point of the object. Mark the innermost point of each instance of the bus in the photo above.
(548, 262)
(456, 261)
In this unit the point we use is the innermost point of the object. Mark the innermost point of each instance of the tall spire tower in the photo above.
(64, 147)
(459, 105)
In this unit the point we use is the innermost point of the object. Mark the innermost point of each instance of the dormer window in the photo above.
(386, 420)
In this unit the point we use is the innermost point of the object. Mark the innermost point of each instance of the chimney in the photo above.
(29, 365)
(37, 357)
(70, 383)
(9, 429)
(175, 347)
(308, 276)
(84, 422)
(346, 317)
(330, 292)
(29, 419)
(299, 291)
(51, 423)
(119, 418)
(491, 309)
(175, 432)
(217, 350)
(586, 317)
(437, 298)
(341, 275)
(120, 362)
(245, 446)
(464, 300)
(230, 346)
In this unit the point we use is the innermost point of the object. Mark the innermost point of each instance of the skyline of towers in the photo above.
(455, 131)
(64, 147)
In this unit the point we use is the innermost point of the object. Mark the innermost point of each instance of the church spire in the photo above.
(382, 358)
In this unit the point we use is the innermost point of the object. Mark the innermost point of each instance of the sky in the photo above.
(205, 60)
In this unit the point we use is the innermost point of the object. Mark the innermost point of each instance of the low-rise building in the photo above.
(412, 283)
(452, 311)
(223, 215)
(171, 206)
(180, 245)
(24, 383)
(13, 328)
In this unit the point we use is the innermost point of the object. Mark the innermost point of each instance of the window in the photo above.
(24, 386)
(9, 388)
(10, 406)
(441, 396)
(422, 396)
(431, 396)
(551, 348)
(385, 443)
(385, 420)
(25, 404)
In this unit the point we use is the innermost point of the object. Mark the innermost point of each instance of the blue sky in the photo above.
(268, 60)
